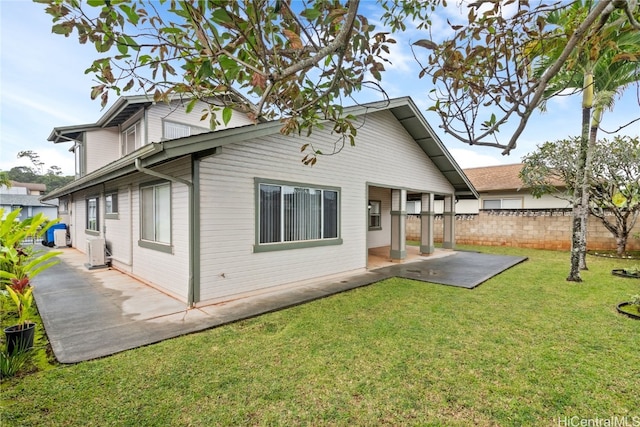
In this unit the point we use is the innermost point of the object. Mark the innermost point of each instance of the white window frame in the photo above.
(284, 242)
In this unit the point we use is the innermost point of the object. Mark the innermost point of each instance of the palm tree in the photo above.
(603, 67)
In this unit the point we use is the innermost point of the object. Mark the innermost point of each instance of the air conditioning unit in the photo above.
(60, 238)
(96, 253)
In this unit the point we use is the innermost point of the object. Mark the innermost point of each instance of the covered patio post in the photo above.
(449, 219)
(398, 224)
(426, 224)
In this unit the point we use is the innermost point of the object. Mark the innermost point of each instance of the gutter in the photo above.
(192, 223)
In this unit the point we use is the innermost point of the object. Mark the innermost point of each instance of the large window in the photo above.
(155, 206)
(92, 214)
(374, 215)
(297, 213)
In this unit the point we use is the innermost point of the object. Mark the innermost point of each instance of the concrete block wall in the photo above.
(540, 229)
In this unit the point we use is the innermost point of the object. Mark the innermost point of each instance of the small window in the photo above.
(131, 139)
(374, 215)
(64, 206)
(174, 130)
(92, 214)
(78, 152)
(502, 204)
(155, 214)
(292, 216)
(111, 205)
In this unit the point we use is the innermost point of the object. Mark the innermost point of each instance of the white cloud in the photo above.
(468, 158)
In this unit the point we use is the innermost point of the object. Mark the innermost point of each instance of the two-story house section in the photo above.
(213, 216)
(129, 124)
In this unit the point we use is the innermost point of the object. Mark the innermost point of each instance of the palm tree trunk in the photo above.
(580, 208)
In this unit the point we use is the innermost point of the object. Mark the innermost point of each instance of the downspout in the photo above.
(189, 184)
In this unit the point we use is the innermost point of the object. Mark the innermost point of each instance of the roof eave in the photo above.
(113, 170)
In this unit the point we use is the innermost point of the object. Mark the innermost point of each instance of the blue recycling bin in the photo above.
(48, 238)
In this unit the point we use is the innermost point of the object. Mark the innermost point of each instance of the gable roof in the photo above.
(404, 109)
(500, 178)
(118, 113)
(22, 200)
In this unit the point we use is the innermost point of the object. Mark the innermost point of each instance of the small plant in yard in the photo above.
(19, 265)
(12, 362)
(633, 271)
(635, 301)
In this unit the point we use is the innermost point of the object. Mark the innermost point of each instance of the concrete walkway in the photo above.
(90, 314)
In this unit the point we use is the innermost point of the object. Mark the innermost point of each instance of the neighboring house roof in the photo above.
(31, 186)
(500, 178)
(22, 200)
(404, 109)
(496, 178)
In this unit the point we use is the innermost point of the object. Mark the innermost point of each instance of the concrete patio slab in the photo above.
(89, 314)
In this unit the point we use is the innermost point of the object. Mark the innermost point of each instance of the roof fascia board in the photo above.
(119, 105)
(60, 131)
(443, 151)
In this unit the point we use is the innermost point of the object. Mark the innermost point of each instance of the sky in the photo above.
(43, 85)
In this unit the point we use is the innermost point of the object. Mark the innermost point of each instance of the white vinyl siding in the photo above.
(100, 148)
(384, 155)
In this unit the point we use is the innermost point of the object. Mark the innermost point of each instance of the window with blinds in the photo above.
(296, 213)
(174, 130)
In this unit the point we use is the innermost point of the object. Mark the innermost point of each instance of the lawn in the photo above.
(524, 348)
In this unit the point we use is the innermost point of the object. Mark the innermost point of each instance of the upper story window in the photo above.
(131, 139)
(291, 216)
(174, 130)
(78, 151)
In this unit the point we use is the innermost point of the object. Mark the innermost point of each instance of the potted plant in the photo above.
(19, 266)
(20, 336)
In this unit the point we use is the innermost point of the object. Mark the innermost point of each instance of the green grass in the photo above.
(524, 348)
